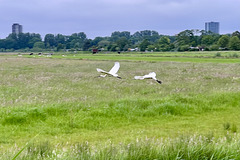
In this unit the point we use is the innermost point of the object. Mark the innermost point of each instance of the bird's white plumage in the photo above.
(112, 72)
(101, 71)
(151, 75)
(115, 68)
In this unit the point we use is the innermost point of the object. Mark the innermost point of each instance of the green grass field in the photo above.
(74, 114)
(200, 57)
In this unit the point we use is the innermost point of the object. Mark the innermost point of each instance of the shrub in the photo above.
(218, 54)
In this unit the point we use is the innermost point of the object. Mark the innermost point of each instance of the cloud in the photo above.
(102, 17)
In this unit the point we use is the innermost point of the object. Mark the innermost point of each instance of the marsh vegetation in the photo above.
(75, 114)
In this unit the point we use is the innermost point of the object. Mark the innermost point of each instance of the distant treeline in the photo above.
(147, 40)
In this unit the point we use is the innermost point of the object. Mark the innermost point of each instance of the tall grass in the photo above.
(193, 147)
(82, 115)
(67, 104)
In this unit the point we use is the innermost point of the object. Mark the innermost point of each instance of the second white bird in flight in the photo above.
(151, 75)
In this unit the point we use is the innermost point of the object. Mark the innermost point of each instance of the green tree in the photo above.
(143, 46)
(151, 47)
(115, 36)
(59, 38)
(207, 40)
(76, 44)
(34, 38)
(22, 40)
(96, 40)
(113, 47)
(234, 43)
(223, 41)
(49, 40)
(150, 35)
(86, 45)
(214, 47)
(122, 42)
(184, 37)
(103, 43)
(2, 44)
(164, 44)
(76, 40)
(10, 43)
(80, 36)
(60, 46)
(236, 33)
(39, 45)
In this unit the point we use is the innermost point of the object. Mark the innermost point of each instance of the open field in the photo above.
(62, 101)
(200, 57)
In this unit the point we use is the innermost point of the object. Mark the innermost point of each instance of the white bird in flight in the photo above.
(112, 72)
(151, 75)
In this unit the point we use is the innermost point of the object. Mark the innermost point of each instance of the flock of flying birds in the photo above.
(115, 68)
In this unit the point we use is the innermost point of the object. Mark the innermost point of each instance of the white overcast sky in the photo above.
(102, 17)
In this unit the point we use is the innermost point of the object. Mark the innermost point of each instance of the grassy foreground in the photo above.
(75, 114)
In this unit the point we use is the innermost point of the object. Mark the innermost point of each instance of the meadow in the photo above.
(58, 108)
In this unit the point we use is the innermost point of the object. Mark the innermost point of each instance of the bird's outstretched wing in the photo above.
(152, 74)
(138, 77)
(105, 73)
(101, 71)
(115, 68)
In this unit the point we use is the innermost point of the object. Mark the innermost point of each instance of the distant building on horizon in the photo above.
(16, 28)
(212, 27)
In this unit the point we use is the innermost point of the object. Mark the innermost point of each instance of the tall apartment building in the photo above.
(16, 28)
(212, 27)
